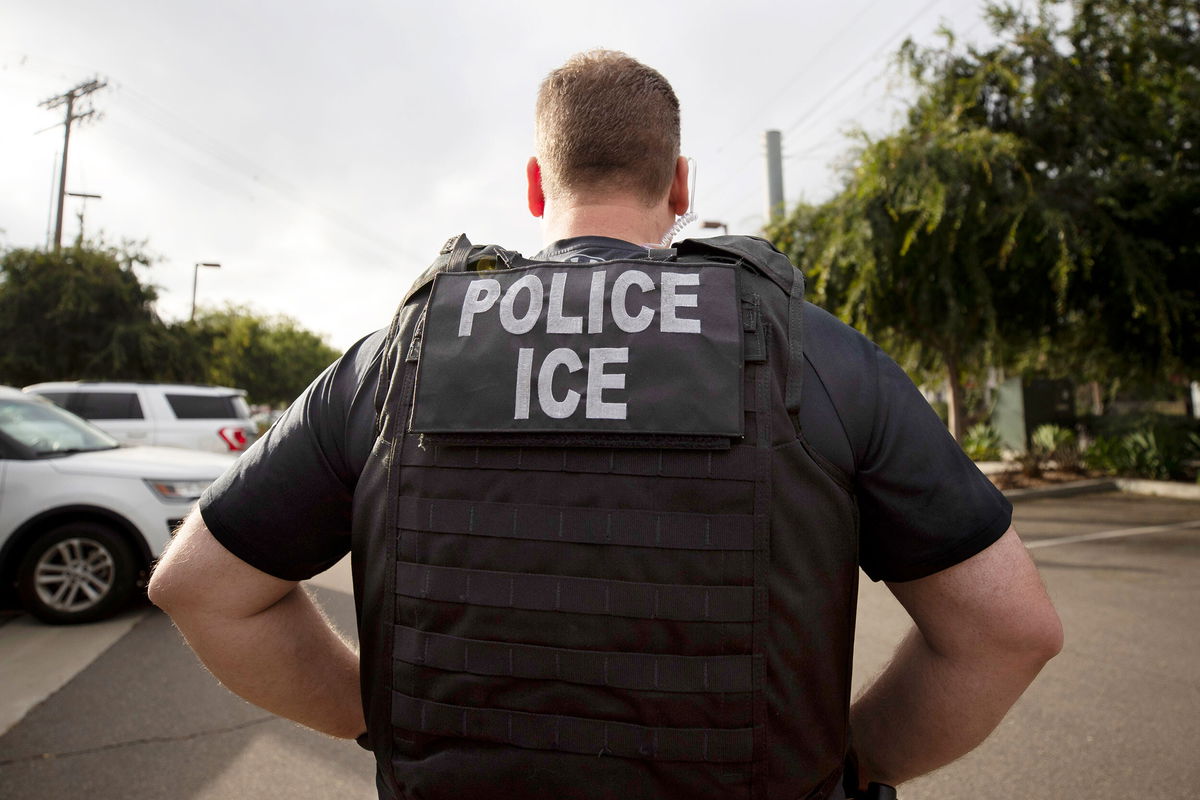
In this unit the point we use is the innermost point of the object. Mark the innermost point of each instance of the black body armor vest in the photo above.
(576, 605)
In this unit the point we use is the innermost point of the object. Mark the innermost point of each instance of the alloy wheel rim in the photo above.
(74, 575)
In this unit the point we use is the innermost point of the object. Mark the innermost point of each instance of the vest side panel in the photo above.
(813, 589)
(372, 552)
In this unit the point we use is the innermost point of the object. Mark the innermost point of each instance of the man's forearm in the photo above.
(926, 710)
(985, 628)
(261, 636)
(285, 659)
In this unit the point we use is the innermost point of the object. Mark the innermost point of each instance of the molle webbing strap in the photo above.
(629, 528)
(762, 255)
(592, 737)
(639, 671)
(576, 439)
(571, 595)
(762, 567)
(737, 463)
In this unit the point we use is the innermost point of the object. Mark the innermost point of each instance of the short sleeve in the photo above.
(285, 506)
(924, 505)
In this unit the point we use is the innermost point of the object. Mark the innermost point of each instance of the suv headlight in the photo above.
(178, 491)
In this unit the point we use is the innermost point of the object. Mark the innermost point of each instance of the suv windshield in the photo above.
(48, 430)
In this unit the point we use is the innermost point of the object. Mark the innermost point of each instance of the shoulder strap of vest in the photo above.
(452, 257)
(753, 250)
(459, 255)
(762, 256)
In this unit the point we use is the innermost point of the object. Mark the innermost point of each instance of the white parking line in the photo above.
(1115, 534)
(36, 660)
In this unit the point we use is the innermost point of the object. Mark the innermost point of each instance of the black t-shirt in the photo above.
(285, 506)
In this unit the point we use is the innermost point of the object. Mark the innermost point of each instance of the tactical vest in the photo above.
(574, 604)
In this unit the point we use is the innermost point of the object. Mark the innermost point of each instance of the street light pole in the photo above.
(195, 275)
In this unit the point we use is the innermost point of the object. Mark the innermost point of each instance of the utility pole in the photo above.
(774, 174)
(83, 207)
(69, 98)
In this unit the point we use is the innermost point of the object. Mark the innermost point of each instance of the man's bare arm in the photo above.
(984, 629)
(264, 638)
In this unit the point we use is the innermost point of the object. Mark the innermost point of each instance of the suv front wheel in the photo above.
(77, 572)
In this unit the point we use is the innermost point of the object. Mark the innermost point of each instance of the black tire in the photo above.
(77, 572)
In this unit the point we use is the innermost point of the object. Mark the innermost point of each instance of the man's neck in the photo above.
(631, 222)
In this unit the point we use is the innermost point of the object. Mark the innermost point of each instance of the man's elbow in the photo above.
(168, 587)
(162, 590)
(1035, 638)
(1048, 641)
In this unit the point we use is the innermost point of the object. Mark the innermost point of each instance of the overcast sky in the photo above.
(322, 151)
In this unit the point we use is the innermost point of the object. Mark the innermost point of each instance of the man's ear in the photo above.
(678, 197)
(536, 197)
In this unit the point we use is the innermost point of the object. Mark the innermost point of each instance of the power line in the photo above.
(823, 143)
(798, 74)
(253, 171)
(185, 131)
(807, 116)
(840, 84)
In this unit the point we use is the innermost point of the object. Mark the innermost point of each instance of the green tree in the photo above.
(1106, 102)
(84, 314)
(1040, 205)
(916, 250)
(79, 313)
(272, 357)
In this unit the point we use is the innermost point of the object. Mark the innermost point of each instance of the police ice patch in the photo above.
(637, 347)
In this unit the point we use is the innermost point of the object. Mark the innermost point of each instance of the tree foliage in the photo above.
(1040, 206)
(1106, 102)
(84, 314)
(80, 313)
(272, 358)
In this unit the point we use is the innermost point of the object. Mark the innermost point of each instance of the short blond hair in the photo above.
(607, 123)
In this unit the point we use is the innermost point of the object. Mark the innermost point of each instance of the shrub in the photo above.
(1145, 453)
(1105, 454)
(1059, 444)
(982, 443)
(1152, 456)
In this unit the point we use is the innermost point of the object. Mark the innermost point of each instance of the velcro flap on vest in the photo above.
(622, 347)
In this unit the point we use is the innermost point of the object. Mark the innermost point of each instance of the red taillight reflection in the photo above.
(234, 437)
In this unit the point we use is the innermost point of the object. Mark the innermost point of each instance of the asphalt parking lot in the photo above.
(1116, 715)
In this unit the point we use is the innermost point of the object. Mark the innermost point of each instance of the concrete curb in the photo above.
(1064, 489)
(1172, 489)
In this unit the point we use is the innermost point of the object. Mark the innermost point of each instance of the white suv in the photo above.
(82, 518)
(212, 418)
